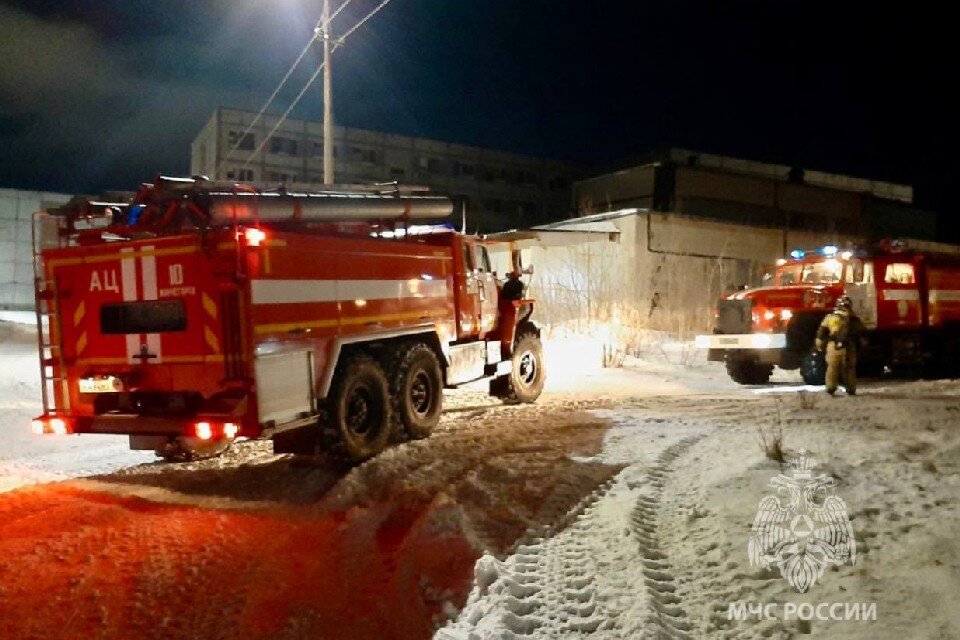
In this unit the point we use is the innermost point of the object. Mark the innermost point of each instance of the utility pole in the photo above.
(327, 99)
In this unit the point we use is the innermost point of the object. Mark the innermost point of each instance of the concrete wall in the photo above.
(665, 271)
(16, 257)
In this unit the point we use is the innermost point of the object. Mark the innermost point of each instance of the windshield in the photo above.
(826, 272)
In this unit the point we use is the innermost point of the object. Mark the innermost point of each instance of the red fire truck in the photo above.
(908, 300)
(197, 313)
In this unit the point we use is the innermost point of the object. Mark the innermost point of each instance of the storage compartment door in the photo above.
(284, 386)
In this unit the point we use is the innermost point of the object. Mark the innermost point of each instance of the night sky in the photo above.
(103, 94)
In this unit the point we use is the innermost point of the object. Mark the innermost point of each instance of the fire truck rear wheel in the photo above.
(745, 370)
(525, 381)
(360, 409)
(416, 389)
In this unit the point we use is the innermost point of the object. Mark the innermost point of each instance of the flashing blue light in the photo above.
(797, 254)
(829, 250)
(133, 213)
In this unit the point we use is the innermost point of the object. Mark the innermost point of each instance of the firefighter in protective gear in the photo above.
(839, 334)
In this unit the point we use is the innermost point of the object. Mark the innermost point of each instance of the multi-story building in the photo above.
(501, 190)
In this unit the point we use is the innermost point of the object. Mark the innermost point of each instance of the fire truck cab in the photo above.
(197, 313)
(908, 300)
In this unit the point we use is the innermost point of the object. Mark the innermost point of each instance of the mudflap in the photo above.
(148, 443)
(304, 441)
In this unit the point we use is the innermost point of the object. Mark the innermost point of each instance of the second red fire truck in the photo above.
(198, 313)
(908, 300)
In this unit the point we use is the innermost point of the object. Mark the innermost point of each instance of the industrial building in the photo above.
(774, 196)
(16, 257)
(501, 190)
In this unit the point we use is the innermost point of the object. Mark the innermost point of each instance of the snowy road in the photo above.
(24, 457)
(617, 507)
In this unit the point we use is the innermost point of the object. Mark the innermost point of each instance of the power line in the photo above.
(316, 74)
(283, 82)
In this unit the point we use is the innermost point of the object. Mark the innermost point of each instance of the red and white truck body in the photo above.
(239, 328)
(908, 300)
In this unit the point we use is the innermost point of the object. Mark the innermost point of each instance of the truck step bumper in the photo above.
(723, 341)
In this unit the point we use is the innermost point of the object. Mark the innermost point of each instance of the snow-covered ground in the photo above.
(619, 506)
(26, 458)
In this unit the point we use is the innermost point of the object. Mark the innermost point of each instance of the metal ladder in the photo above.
(49, 325)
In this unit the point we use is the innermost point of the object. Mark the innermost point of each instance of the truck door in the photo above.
(860, 285)
(898, 303)
(489, 296)
(468, 316)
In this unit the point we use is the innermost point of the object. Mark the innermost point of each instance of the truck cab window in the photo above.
(899, 273)
(485, 260)
(468, 261)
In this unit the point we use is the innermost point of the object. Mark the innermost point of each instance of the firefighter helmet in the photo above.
(844, 303)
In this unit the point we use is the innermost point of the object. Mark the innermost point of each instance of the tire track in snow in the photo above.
(602, 575)
(667, 618)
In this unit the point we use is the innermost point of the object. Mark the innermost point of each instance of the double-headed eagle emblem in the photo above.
(802, 529)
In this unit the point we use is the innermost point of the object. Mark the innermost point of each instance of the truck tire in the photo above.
(191, 449)
(359, 409)
(813, 368)
(527, 374)
(416, 389)
(747, 370)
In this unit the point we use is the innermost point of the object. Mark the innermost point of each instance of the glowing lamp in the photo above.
(781, 262)
(254, 237)
(58, 426)
(203, 431)
(797, 254)
(829, 250)
(231, 429)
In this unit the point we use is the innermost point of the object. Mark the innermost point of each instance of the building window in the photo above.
(430, 164)
(246, 143)
(283, 146)
(464, 170)
(367, 156)
(241, 175)
(278, 176)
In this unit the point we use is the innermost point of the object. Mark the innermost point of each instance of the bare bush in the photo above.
(808, 401)
(770, 439)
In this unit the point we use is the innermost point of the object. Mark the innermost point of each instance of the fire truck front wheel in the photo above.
(745, 369)
(360, 408)
(416, 389)
(525, 381)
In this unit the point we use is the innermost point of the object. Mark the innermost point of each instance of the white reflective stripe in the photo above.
(148, 275)
(742, 341)
(944, 295)
(128, 287)
(294, 291)
(901, 294)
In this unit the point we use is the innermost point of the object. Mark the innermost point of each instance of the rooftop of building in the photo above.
(785, 173)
